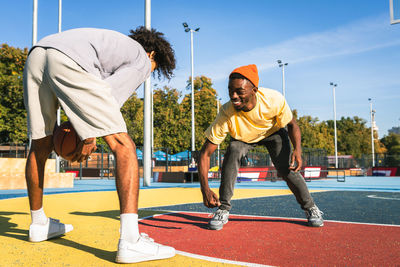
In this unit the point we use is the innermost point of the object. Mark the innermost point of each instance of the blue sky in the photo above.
(348, 42)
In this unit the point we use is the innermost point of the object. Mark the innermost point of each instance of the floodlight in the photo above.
(185, 25)
(197, 30)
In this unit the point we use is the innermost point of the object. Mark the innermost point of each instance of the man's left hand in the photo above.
(296, 161)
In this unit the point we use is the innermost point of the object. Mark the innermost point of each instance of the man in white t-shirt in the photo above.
(90, 73)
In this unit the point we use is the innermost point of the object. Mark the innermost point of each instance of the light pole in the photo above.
(218, 155)
(334, 122)
(59, 109)
(34, 40)
(282, 65)
(372, 131)
(187, 29)
(147, 111)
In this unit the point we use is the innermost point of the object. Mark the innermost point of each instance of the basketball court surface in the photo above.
(266, 226)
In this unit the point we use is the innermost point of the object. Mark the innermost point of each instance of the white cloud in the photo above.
(358, 37)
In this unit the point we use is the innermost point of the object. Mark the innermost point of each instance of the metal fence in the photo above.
(101, 163)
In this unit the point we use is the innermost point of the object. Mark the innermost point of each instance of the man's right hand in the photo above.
(210, 199)
(83, 150)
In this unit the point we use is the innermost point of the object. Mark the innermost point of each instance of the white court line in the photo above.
(196, 256)
(390, 198)
(271, 217)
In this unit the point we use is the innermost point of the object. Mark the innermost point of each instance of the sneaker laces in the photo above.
(217, 215)
(314, 211)
(146, 237)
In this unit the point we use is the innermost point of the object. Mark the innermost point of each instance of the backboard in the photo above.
(394, 11)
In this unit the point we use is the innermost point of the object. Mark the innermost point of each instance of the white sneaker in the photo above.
(314, 217)
(219, 219)
(53, 228)
(145, 249)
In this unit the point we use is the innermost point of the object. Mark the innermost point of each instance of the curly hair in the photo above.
(152, 40)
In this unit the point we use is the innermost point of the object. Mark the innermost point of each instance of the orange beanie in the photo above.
(249, 71)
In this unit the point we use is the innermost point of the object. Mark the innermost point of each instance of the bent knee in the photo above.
(237, 148)
(120, 141)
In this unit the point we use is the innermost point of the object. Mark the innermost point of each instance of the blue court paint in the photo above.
(378, 184)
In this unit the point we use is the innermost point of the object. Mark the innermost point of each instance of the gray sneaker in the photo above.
(314, 217)
(219, 219)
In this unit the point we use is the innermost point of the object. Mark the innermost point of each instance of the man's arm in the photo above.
(210, 199)
(295, 138)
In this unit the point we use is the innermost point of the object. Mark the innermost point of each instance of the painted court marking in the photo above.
(387, 198)
(200, 257)
(279, 234)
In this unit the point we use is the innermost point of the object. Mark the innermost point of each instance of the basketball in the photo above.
(65, 140)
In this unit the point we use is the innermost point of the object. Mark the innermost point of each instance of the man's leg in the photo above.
(34, 171)
(127, 171)
(132, 246)
(278, 146)
(41, 228)
(230, 167)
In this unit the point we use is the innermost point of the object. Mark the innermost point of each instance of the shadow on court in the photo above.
(114, 214)
(200, 221)
(10, 229)
(100, 253)
(350, 206)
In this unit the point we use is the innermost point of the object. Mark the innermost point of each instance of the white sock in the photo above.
(38, 216)
(129, 227)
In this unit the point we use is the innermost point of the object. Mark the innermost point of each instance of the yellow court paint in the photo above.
(95, 217)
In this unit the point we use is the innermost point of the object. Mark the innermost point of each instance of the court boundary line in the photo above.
(212, 259)
(219, 260)
(385, 198)
(271, 217)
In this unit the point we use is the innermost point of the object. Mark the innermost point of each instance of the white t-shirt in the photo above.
(112, 56)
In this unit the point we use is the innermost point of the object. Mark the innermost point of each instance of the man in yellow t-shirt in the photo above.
(253, 116)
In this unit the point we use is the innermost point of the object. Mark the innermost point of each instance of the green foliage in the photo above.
(316, 134)
(392, 144)
(12, 109)
(170, 124)
(132, 111)
(353, 137)
(205, 106)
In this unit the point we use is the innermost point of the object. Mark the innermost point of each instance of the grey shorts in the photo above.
(52, 79)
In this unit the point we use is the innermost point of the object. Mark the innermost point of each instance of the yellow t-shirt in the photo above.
(269, 115)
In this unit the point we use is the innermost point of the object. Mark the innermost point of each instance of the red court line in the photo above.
(278, 241)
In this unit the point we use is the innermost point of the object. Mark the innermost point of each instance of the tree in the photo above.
(132, 111)
(392, 144)
(13, 121)
(353, 136)
(205, 106)
(315, 134)
(170, 124)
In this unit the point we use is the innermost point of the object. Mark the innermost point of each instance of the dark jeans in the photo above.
(278, 146)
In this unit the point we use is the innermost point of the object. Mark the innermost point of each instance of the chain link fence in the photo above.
(102, 162)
